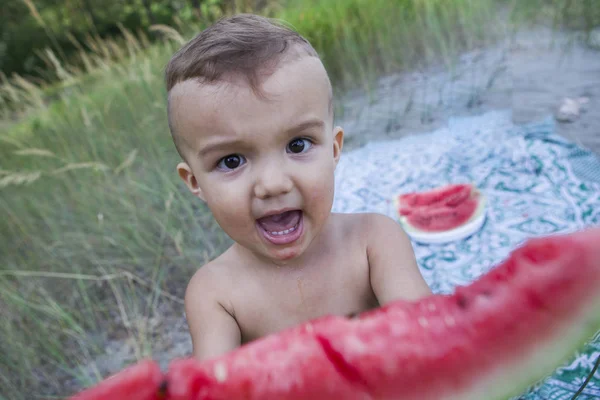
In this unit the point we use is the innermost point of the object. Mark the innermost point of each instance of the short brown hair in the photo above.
(243, 45)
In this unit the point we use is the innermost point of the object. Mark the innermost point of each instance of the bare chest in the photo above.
(287, 298)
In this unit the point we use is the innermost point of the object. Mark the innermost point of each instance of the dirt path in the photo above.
(530, 74)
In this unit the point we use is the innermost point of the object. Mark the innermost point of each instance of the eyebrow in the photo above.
(218, 146)
(311, 123)
(225, 144)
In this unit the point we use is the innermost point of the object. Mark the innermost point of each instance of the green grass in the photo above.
(97, 231)
(581, 15)
(103, 200)
(361, 39)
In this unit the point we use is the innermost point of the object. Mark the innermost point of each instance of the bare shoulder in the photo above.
(379, 219)
(209, 310)
(209, 283)
(379, 224)
(368, 227)
(393, 267)
(369, 223)
(384, 232)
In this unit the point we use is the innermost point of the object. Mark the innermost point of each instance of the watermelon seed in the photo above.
(535, 300)
(510, 266)
(352, 315)
(487, 292)
(449, 320)
(423, 322)
(162, 390)
(431, 307)
(220, 371)
(538, 253)
(461, 300)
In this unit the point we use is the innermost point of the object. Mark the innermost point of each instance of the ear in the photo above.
(187, 175)
(338, 143)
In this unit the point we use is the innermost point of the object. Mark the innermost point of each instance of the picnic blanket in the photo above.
(537, 183)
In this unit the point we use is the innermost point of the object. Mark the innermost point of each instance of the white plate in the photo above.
(470, 227)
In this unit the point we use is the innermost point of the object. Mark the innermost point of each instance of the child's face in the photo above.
(264, 166)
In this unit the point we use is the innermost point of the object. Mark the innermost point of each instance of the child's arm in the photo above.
(213, 329)
(393, 268)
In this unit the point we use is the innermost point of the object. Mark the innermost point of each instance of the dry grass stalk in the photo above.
(84, 165)
(35, 152)
(168, 32)
(88, 277)
(19, 178)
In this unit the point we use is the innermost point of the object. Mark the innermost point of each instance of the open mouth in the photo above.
(281, 228)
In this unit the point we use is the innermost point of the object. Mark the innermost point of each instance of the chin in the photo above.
(286, 254)
(275, 254)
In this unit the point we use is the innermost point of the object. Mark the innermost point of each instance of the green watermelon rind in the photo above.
(553, 353)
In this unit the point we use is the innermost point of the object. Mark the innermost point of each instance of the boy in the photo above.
(250, 111)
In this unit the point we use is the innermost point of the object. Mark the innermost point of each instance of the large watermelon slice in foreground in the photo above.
(143, 381)
(489, 340)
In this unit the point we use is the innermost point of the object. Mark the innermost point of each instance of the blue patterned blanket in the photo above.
(537, 183)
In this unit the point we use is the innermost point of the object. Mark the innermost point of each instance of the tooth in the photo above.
(284, 232)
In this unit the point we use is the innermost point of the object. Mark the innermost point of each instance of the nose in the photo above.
(272, 181)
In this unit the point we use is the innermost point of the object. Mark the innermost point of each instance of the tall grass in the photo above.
(583, 15)
(97, 232)
(360, 40)
(21, 97)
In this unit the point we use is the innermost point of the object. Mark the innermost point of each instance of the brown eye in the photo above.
(230, 162)
(297, 146)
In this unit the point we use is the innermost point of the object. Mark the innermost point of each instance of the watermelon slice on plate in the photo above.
(444, 214)
(449, 195)
(489, 340)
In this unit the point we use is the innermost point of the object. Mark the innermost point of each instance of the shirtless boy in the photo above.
(250, 111)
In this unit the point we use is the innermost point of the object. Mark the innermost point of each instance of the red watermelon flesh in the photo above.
(443, 218)
(141, 381)
(489, 340)
(448, 195)
(290, 365)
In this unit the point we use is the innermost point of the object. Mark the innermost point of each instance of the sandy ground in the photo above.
(530, 75)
